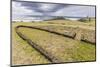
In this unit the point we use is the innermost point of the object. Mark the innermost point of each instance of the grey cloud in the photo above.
(37, 7)
(47, 9)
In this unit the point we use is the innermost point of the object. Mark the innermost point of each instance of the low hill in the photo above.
(87, 19)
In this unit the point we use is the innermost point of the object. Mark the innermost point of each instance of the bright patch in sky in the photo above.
(30, 10)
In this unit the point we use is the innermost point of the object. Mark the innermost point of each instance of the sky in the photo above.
(32, 10)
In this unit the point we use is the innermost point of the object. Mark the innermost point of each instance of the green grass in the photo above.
(84, 52)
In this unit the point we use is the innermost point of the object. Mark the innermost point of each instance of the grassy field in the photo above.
(64, 48)
(23, 53)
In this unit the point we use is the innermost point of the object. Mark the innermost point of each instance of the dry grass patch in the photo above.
(66, 49)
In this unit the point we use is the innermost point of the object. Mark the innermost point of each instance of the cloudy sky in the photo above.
(32, 10)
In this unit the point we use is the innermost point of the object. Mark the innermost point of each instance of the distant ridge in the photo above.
(56, 18)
